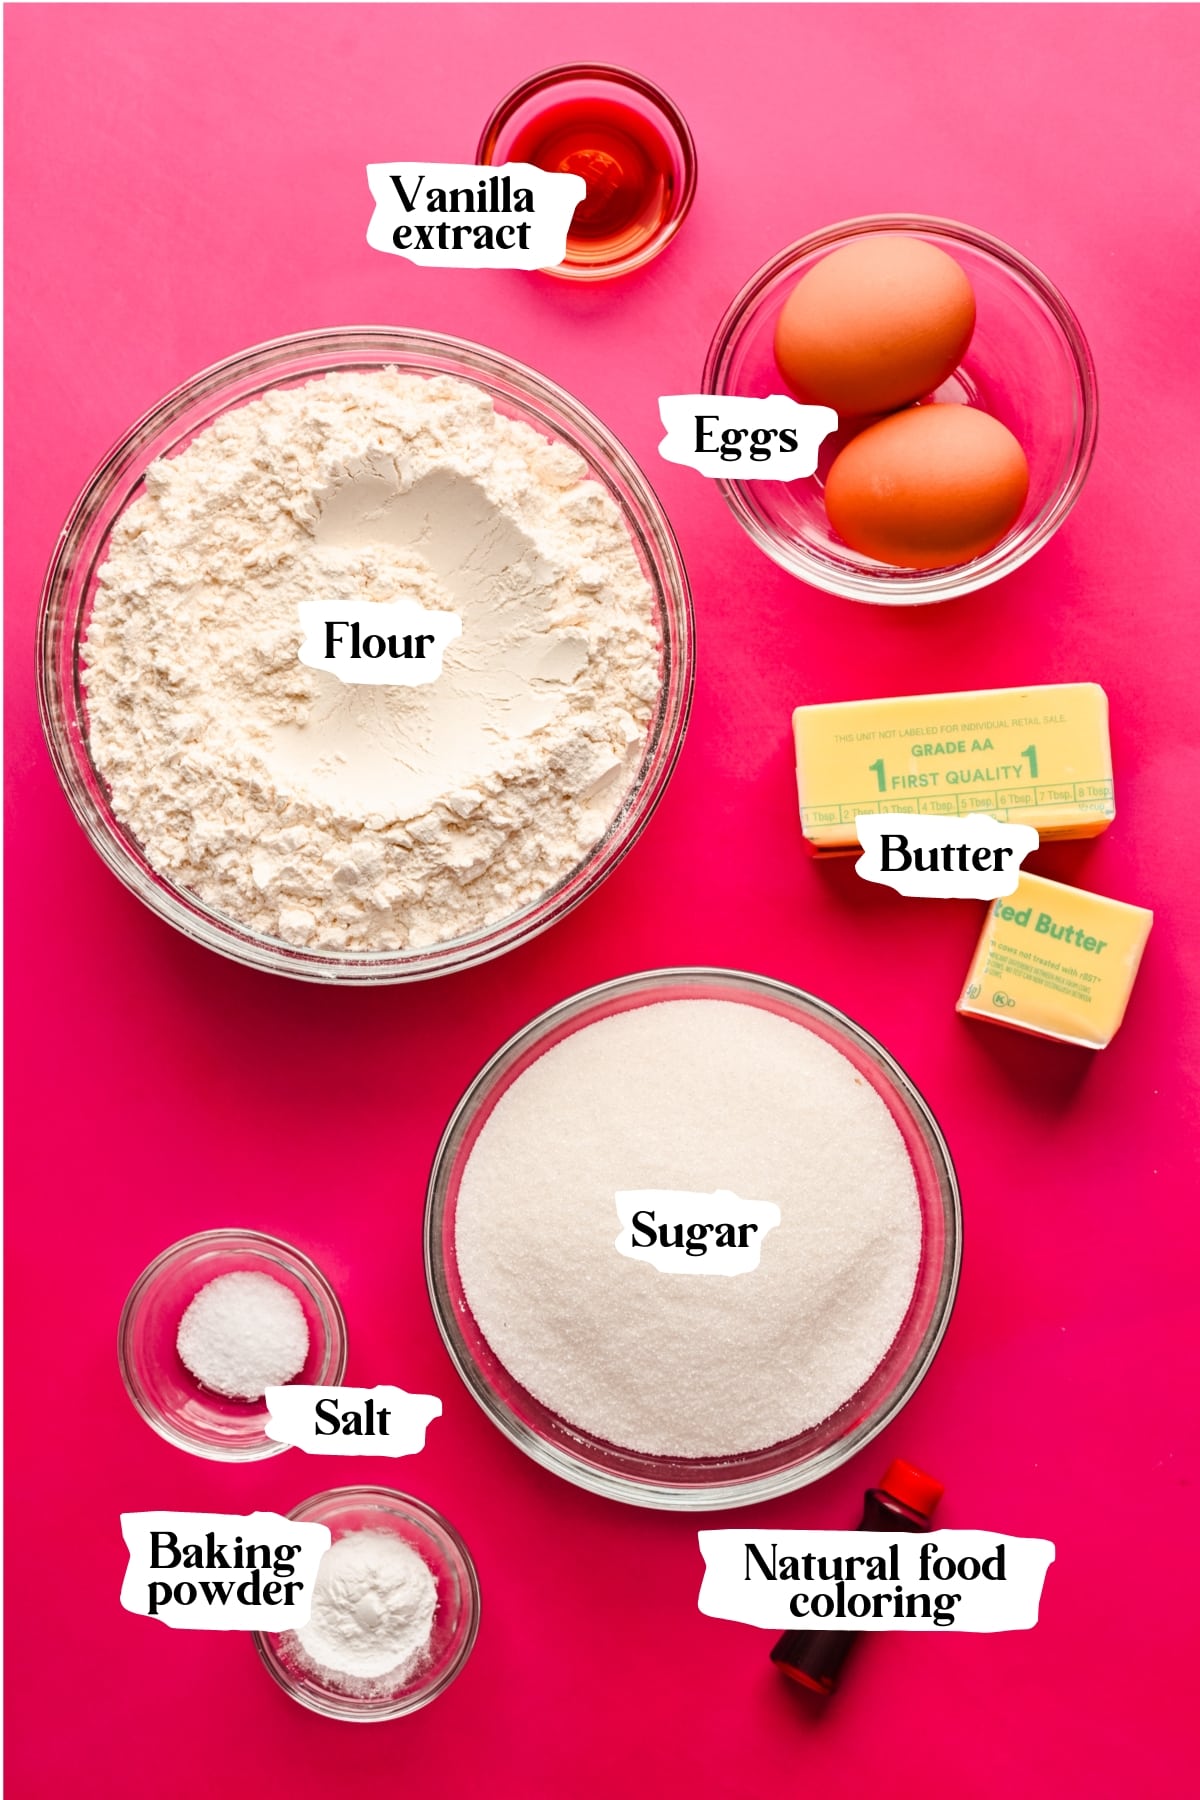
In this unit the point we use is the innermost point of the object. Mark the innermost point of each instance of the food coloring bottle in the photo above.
(904, 1501)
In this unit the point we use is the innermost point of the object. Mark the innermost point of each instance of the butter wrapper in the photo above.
(1037, 756)
(1057, 962)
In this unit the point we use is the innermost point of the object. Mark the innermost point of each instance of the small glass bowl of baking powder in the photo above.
(455, 1623)
(166, 1393)
(694, 1484)
(69, 596)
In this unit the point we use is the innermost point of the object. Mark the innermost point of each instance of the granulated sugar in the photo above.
(349, 817)
(692, 1095)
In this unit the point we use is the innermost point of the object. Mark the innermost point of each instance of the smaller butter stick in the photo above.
(1057, 962)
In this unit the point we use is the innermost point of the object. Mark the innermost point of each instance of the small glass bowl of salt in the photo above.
(395, 1609)
(210, 1323)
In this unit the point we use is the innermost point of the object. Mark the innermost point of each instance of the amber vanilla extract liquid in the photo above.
(626, 163)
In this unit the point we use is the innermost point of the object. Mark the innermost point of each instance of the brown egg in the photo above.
(875, 325)
(928, 487)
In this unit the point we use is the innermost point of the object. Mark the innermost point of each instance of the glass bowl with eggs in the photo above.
(966, 403)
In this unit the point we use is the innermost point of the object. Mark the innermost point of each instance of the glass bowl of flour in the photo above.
(395, 1609)
(317, 824)
(692, 1239)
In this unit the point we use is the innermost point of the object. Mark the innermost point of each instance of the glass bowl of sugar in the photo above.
(693, 1380)
(309, 820)
(395, 1609)
(212, 1322)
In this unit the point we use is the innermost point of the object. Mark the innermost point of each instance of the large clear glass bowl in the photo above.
(70, 586)
(1027, 364)
(683, 1484)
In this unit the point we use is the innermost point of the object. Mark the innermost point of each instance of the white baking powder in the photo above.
(372, 1612)
(243, 1333)
(695, 1096)
(351, 817)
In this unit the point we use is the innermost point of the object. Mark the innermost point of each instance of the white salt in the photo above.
(693, 1095)
(242, 1334)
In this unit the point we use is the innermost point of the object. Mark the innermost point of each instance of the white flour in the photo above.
(372, 1612)
(694, 1095)
(376, 818)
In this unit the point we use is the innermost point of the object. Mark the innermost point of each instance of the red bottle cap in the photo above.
(912, 1487)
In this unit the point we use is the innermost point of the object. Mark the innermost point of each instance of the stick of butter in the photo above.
(1038, 755)
(1056, 961)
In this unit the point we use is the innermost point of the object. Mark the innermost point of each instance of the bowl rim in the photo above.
(197, 1241)
(533, 397)
(913, 587)
(676, 126)
(367, 1493)
(718, 1494)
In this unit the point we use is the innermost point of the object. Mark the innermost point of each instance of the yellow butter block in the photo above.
(1037, 755)
(1057, 961)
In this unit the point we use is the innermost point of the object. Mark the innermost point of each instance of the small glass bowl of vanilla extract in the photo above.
(630, 143)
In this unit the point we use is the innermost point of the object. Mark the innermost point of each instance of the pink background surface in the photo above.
(185, 181)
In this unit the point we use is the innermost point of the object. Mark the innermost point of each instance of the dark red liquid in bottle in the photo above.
(904, 1501)
(627, 164)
